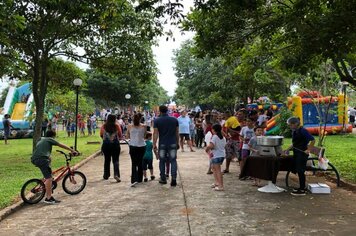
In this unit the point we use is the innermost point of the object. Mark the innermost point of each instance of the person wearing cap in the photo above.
(302, 140)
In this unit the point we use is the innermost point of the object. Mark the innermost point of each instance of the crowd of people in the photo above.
(225, 137)
(231, 138)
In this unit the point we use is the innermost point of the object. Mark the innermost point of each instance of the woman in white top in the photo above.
(216, 150)
(136, 133)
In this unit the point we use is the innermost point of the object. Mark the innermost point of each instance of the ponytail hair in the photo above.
(136, 119)
(217, 128)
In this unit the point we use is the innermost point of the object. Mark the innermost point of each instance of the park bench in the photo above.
(312, 165)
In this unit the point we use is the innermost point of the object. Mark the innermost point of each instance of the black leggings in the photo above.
(137, 154)
(199, 138)
(111, 151)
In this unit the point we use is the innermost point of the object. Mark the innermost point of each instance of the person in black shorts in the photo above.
(41, 159)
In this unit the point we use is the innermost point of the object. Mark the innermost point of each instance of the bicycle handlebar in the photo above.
(70, 155)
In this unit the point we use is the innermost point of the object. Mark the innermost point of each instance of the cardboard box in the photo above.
(319, 188)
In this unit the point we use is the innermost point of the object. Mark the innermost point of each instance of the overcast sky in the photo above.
(164, 55)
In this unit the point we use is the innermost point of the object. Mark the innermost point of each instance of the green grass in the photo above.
(16, 167)
(341, 152)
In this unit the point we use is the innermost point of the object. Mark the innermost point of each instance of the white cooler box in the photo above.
(319, 188)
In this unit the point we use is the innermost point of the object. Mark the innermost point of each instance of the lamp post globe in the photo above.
(77, 83)
(127, 97)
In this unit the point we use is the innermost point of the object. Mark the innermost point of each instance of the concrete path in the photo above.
(191, 208)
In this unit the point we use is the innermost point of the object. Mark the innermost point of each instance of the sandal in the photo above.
(218, 189)
(225, 171)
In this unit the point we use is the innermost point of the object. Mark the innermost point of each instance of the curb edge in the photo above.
(16, 206)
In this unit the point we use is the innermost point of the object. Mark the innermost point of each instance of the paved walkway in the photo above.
(191, 208)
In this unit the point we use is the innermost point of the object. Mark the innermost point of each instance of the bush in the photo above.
(281, 122)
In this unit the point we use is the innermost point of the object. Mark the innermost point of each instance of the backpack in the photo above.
(110, 137)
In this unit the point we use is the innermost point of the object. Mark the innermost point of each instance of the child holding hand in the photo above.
(148, 157)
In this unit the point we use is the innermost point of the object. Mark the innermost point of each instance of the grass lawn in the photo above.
(16, 167)
(341, 152)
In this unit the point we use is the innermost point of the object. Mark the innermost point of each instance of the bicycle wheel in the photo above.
(74, 183)
(33, 191)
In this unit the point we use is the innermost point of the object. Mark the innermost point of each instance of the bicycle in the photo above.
(73, 183)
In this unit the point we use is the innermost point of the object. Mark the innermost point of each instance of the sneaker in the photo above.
(153, 177)
(167, 176)
(162, 181)
(298, 192)
(145, 180)
(173, 183)
(117, 178)
(297, 189)
(134, 184)
(51, 201)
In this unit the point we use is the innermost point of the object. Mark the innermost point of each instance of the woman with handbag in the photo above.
(111, 134)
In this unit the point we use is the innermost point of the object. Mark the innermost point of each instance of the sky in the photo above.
(163, 55)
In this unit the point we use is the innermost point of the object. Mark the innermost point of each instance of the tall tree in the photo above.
(47, 29)
(303, 30)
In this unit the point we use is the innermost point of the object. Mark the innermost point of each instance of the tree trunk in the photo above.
(39, 93)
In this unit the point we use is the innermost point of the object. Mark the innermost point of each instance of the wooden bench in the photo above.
(312, 165)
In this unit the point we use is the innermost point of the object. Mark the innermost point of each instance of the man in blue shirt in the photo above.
(184, 130)
(166, 130)
(302, 140)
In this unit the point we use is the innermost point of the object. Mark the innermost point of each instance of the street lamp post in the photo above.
(146, 105)
(77, 83)
(127, 97)
(344, 85)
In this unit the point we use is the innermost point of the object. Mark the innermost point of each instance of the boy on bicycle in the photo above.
(41, 159)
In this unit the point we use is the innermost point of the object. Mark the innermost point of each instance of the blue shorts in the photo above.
(245, 153)
(7, 133)
(217, 160)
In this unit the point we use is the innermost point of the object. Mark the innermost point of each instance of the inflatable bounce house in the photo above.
(305, 107)
(18, 105)
(264, 103)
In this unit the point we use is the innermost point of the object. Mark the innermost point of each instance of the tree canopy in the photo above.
(302, 33)
(34, 32)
